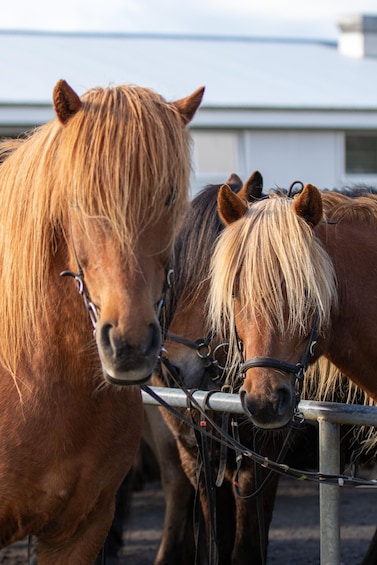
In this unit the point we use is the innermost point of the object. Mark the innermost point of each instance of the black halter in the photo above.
(298, 370)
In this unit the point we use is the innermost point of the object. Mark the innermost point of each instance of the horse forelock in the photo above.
(277, 268)
(127, 146)
(124, 158)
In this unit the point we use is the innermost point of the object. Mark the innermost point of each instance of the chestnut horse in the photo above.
(96, 193)
(294, 280)
(191, 352)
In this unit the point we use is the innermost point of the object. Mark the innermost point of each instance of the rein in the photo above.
(205, 461)
(281, 468)
(232, 442)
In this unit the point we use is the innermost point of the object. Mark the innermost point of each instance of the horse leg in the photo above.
(224, 526)
(225, 522)
(197, 512)
(177, 541)
(114, 540)
(83, 546)
(250, 548)
(216, 525)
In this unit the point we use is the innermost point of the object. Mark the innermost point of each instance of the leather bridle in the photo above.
(204, 351)
(83, 290)
(89, 304)
(298, 369)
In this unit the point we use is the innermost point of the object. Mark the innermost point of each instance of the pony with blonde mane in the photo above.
(293, 279)
(96, 194)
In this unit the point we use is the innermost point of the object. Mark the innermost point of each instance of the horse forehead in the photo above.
(144, 234)
(259, 333)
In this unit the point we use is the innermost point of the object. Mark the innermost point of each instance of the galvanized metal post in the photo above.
(329, 495)
(329, 416)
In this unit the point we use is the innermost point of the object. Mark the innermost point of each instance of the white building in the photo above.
(294, 109)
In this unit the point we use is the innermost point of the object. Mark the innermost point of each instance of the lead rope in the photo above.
(205, 464)
(223, 457)
(259, 503)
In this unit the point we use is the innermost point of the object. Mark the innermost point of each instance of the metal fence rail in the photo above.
(329, 416)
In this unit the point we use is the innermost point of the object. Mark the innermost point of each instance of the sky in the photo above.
(270, 18)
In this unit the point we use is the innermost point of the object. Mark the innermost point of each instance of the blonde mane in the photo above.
(270, 258)
(278, 270)
(122, 158)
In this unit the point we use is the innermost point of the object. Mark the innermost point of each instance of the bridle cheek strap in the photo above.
(298, 370)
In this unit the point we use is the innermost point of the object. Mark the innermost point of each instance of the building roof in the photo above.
(240, 73)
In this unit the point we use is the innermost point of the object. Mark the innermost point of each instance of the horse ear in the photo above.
(308, 205)
(253, 187)
(230, 206)
(234, 180)
(189, 105)
(66, 101)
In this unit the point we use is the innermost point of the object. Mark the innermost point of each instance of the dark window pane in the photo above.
(361, 154)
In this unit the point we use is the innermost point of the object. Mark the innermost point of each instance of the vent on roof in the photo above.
(358, 36)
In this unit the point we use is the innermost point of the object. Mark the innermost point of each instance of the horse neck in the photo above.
(350, 341)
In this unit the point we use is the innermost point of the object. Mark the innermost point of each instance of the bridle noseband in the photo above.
(298, 370)
(207, 355)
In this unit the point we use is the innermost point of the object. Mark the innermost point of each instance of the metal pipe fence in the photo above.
(329, 416)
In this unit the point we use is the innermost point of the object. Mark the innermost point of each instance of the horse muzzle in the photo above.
(271, 410)
(124, 363)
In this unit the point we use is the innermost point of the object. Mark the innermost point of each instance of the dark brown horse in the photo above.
(96, 194)
(236, 535)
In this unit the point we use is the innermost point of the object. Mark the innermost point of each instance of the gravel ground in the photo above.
(294, 533)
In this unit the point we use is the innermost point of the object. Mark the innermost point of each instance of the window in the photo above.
(361, 154)
(215, 151)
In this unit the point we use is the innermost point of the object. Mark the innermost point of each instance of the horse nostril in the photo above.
(243, 400)
(112, 342)
(284, 399)
(115, 343)
(105, 336)
(153, 342)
